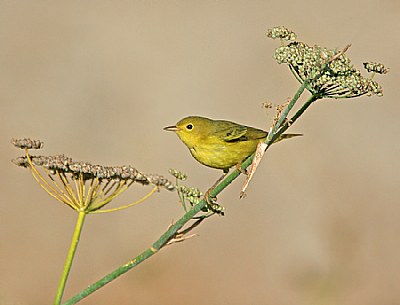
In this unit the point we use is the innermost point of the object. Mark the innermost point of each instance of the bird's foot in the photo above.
(212, 204)
(240, 169)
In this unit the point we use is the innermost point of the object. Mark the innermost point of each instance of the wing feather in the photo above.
(232, 132)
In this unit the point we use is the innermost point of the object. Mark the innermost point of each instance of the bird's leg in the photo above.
(212, 200)
(240, 169)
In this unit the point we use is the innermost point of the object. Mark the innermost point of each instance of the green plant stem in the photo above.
(285, 113)
(293, 119)
(278, 129)
(70, 257)
(173, 229)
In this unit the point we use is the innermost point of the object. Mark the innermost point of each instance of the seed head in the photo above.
(27, 143)
(375, 67)
(191, 194)
(87, 187)
(177, 174)
(329, 72)
(281, 32)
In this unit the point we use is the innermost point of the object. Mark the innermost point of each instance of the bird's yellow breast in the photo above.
(222, 155)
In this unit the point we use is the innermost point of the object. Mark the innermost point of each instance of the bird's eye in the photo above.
(189, 126)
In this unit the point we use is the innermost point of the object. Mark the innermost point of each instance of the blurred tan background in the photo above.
(99, 80)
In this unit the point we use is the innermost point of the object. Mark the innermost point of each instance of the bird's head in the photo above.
(192, 130)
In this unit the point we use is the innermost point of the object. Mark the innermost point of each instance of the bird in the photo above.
(219, 144)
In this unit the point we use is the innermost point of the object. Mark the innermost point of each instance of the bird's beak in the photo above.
(171, 128)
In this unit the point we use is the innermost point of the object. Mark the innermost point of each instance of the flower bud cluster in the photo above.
(376, 67)
(27, 143)
(177, 174)
(329, 72)
(282, 33)
(191, 194)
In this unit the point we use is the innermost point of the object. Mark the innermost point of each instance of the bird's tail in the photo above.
(287, 136)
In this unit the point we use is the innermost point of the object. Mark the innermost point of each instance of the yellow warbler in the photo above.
(217, 143)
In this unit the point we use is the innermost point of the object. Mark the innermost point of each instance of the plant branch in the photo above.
(70, 257)
(173, 230)
(162, 241)
(293, 119)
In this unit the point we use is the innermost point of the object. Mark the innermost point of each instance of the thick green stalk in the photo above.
(293, 119)
(173, 229)
(70, 257)
(279, 128)
(285, 112)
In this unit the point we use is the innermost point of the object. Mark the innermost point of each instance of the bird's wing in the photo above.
(229, 131)
(235, 133)
(232, 132)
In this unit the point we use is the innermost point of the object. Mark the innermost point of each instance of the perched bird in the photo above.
(217, 143)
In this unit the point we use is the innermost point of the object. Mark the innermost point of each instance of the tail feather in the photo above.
(288, 136)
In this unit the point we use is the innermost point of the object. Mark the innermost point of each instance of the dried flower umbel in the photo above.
(329, 72)
(82, 185)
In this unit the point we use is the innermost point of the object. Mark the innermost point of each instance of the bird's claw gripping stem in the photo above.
(212, 204)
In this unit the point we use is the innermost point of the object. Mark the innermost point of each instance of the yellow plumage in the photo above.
(217, 143)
